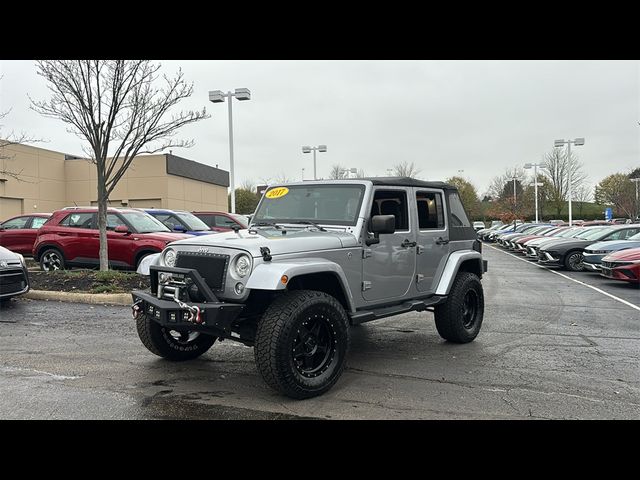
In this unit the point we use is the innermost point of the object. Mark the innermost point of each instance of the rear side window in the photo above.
(16, 223)
(430, 211)
(623, 234)
(37, 222)
(78, 220)
(458, 215)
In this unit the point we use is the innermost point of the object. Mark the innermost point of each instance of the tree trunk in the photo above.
(102, 225)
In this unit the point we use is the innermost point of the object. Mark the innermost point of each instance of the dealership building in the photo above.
(49, 181)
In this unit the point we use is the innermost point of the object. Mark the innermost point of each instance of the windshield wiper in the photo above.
(267, 224)
(307, 222)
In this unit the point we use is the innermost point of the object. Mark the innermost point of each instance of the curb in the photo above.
(94, 298)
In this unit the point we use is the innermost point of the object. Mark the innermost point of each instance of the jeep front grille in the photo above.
(211, 266)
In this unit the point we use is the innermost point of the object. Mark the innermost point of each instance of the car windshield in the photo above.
(594, 233)
(241, 219)
(568, 232)
(322, 204)
(144, 223)
(192, 222)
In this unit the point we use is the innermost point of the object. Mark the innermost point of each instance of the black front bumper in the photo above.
(217, 318)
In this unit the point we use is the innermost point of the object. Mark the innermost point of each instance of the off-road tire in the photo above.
(452, 322)
(159, 340)
(280, 328)
(47, 255)
(570, 262)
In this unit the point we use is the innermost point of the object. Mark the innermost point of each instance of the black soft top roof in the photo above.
(408, 182)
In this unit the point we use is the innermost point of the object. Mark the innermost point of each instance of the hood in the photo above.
(198, 233)
(566, 244)
(164, 236)
(8, 255)
(623, 256)
(295, 240)
(615, 245)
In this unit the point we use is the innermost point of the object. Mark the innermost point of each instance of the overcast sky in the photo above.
(478, 116)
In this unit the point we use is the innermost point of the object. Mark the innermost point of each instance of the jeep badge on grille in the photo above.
(203, 250)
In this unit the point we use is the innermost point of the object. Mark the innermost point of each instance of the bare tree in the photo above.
(582, 195)
(406, 169)
(337, 172)
(248, 184)
(558, 169)
(117, 108)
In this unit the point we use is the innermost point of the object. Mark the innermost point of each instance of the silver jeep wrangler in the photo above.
(318, 257)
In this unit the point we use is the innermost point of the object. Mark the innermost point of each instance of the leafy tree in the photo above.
(119, 109)
(619, 191)
(246, 201)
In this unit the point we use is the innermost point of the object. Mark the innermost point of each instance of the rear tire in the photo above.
(302, 341)
(460, 318)
(171, 344)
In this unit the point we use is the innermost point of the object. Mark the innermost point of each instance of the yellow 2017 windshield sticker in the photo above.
(277, 192)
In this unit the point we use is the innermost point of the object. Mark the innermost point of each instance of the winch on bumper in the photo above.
(170, 303)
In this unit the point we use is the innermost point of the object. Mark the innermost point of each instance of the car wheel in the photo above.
(175, 345)
(573, 261)
(459, 319)
(302, 342)
(51, 259)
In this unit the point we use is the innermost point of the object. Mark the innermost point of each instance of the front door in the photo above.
(388, 267)
(433, 238)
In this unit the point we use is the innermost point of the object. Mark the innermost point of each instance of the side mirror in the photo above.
(381, 224)
(121, 229)
(179, 228)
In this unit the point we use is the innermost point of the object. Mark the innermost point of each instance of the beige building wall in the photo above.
(41, 185)
(48, 182)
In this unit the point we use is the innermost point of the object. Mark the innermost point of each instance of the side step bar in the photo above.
(378, 313)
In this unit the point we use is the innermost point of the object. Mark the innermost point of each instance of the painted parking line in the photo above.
(629, 304)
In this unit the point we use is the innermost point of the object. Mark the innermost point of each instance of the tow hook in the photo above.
(136, 310)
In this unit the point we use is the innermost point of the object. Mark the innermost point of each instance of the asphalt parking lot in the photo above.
(549, 348)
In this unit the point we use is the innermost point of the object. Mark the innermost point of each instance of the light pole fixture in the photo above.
(535, 166)
(217, 96)
(558, 144)
(319, 148)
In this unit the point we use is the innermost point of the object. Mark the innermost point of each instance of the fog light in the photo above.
(239, 288)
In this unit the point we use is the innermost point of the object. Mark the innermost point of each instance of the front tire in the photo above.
(459, 319)
(52, 259)
(573, 261)
(302, 341)
(172, 344)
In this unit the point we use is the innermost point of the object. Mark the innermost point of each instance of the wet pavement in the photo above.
(549, 348)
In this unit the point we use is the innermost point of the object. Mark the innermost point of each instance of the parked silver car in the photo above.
(14, 278)
(319, 256)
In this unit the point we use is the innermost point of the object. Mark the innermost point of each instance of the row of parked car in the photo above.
(69, 237)
(612, 250)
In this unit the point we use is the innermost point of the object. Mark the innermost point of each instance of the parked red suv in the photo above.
(19, 233)
(222, 221)
(70, 238)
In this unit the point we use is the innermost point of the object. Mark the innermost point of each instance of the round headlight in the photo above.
(170, 258)
(243, 265)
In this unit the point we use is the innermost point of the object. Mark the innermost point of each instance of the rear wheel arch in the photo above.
(46, 246)
(472, 265)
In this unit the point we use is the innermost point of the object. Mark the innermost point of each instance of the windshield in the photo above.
(144, 223)
(323, 204)
(634, 237)
(594, 233)
(192, 222)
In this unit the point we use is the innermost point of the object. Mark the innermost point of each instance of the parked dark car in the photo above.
(71, 238)
(594, 254)
(518, 244)
(223, 221)
(180, 221)
(622, 265)
(14, 278)
(19, 233)
(568, 253)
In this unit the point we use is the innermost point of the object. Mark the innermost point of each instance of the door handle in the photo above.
(442, 241)
(406, 243)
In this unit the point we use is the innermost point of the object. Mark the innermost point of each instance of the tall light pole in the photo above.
(636, 180)
(515, 196)
(217, 96)
(535, 166)
(558, 144)
(319, 148)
